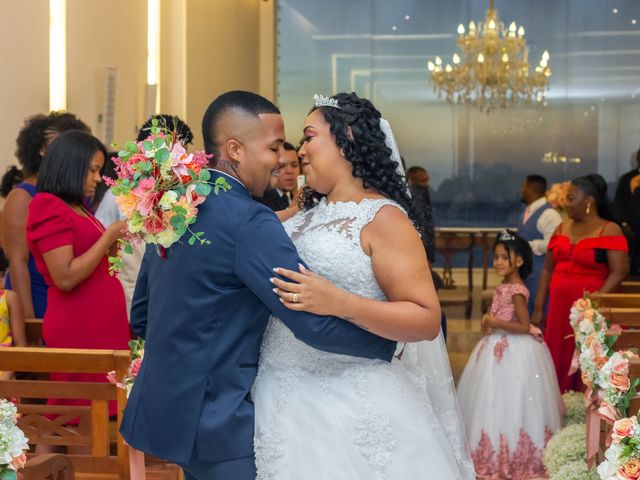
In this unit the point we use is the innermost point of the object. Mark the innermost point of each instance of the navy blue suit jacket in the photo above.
(203, 311)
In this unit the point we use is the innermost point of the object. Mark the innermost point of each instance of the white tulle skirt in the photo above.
(511, 405)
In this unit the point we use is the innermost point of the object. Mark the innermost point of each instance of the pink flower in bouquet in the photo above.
(147, 197)
(582, 304)
(134, 368)
(192, 197)
(180, 161)
(623, 428)
(630, 470)
(609, 413)
(154, 224)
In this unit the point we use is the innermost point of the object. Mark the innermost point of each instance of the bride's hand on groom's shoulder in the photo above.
(307, 291)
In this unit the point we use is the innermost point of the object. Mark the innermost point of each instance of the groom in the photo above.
(203, 310)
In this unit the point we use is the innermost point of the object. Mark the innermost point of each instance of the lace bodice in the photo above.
(327, 237)
(502, 305)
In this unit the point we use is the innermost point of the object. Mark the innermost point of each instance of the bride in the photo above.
(328, 416)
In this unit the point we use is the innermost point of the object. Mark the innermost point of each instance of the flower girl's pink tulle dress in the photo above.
(509, 397)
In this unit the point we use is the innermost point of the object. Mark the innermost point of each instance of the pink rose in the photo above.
(596, 349)
(153, 225)
(620, 367)
(607, 412)
(589, 314)
(623, 428)
(582, 304)
(620, 382)
(134, 368)
(630, 470)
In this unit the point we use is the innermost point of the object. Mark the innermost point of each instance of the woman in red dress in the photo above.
(86, 306)
(587, 253)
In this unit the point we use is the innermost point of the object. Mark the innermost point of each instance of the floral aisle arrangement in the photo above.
(604, 371)
(137, 354)
(610, 389)
(13, 443)
(616, 387)
(623, 456)
(158, 188)
(593, 344)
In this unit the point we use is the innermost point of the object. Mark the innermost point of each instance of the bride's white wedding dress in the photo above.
(326, 416)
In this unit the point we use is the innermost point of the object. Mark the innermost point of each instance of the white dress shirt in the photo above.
(546, 225)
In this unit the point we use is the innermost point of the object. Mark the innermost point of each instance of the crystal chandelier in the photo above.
(492, 70)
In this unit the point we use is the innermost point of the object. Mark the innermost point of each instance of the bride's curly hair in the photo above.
(367, 152)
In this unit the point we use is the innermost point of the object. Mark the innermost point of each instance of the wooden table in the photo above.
(452, 240)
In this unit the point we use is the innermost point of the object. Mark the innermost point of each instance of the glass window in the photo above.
(476, 161)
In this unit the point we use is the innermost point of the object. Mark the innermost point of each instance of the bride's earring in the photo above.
(588, 208)
(342, 152)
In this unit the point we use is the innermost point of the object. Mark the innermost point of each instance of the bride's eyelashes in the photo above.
(306, 139)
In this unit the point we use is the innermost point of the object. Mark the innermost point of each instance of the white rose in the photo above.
(586, 327)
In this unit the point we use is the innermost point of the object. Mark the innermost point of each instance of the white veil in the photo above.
(428, 364)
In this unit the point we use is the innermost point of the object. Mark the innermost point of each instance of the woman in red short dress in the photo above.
(86, 306)
(587, 253)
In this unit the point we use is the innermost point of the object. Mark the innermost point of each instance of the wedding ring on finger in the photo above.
(295, 298)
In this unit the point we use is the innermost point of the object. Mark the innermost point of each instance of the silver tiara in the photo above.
(322, 101)
(506, 236)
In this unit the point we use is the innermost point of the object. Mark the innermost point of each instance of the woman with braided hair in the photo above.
(326, 415)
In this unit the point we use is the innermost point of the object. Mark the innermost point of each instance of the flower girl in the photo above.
(508, 391)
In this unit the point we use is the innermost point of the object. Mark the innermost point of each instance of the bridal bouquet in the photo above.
(137, 353)
(13, 443)
(557, 194)
(158, 189)
(623, 456)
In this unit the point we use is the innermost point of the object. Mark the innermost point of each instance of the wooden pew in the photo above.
(629, 286)
(48, 467)
(629, 320)
(93, 432)
(617, 300)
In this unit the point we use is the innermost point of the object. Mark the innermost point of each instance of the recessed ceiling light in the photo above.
(633, 21)
(394, 28)
(407, 17)
(615, 10)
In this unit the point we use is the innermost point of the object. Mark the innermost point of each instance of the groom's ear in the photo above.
(234, 149)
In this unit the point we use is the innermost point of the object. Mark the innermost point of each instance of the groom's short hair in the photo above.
(246, 102)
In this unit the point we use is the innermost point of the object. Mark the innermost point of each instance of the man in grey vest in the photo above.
(536, 225)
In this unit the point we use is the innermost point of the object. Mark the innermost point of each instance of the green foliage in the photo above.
(162, 155)
(6, 473)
